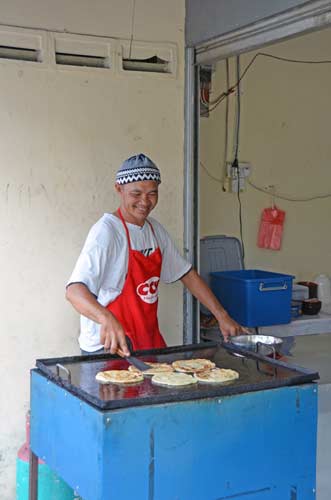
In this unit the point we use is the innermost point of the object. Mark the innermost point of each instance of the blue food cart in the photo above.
(250, 439)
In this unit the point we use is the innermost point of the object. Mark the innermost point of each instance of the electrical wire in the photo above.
(267, 191)
(205, 102)
(237, 126)
(211, 104)
(235, 163)
(220, 98)
(292, 61)
(286, 197)
(226, 128)
(240, 208)
(225, 95)
(210, 175)
(132, 26)
(241, 226)
(226, 131)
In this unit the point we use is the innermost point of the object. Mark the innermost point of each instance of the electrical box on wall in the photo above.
(205, 89)
(236, 177)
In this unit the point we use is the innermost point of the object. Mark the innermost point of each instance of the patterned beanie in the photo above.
(138, 168)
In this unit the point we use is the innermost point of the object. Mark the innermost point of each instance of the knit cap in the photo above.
(138, 168)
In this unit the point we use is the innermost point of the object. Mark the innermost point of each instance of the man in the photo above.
(114, 285)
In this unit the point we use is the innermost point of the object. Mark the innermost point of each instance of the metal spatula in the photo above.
(137, 363)
(132, 359)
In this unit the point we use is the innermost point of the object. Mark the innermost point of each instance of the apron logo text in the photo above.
(148, 291)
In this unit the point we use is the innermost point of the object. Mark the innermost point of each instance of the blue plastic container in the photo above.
(254, 297)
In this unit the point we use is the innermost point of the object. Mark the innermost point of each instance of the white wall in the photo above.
(285, 114)
(63, 134)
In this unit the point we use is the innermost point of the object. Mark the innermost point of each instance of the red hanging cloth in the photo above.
(271, 228)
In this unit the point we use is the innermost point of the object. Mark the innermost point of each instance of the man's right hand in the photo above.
(112, 335)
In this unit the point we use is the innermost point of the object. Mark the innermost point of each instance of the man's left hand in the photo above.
(229, 327)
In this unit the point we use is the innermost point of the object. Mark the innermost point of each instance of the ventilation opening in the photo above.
(20, 54)
(82, 60)
(83, 52)
(152, 64)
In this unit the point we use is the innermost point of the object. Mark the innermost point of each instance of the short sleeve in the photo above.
(90, 268)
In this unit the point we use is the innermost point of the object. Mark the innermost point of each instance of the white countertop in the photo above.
(304, 325)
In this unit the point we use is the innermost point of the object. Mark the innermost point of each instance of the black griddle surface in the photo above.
(255, 373)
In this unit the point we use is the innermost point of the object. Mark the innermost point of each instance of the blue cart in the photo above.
(252, 439)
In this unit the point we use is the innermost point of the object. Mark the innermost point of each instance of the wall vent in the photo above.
(68, 51)
(21, 45)
(146, 57)
(77, 51)
(19, 54)
(152, 64)
(81, 60)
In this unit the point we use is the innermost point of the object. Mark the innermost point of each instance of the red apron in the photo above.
(136, 307)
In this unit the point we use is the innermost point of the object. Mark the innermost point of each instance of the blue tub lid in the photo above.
(252, 275)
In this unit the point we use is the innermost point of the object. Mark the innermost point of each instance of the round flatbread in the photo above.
(192, 365)
(173, 379)
(119, 377)
(155, 368)
(216, 376)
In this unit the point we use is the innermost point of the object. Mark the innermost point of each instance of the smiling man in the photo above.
(114, 285)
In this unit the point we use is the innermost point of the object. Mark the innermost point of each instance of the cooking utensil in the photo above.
(263, 344)
(132, 359)
(137, 363)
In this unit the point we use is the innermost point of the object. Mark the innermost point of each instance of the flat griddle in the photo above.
(256, 373)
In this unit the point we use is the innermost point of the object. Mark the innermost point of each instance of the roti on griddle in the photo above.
(155, 368)
(216, 376)
(192, 365)
(119, 377)
(173, 379)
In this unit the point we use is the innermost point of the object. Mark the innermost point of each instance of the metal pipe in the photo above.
(33, 477)
(191, 212)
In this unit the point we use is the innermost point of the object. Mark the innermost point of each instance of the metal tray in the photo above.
(263, 344)
(256, 372)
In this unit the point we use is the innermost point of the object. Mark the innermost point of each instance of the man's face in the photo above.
(137, 200)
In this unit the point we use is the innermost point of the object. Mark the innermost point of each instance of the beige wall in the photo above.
(285, 135)
(63, 135)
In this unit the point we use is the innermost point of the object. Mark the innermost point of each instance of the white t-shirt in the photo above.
(103, 263)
